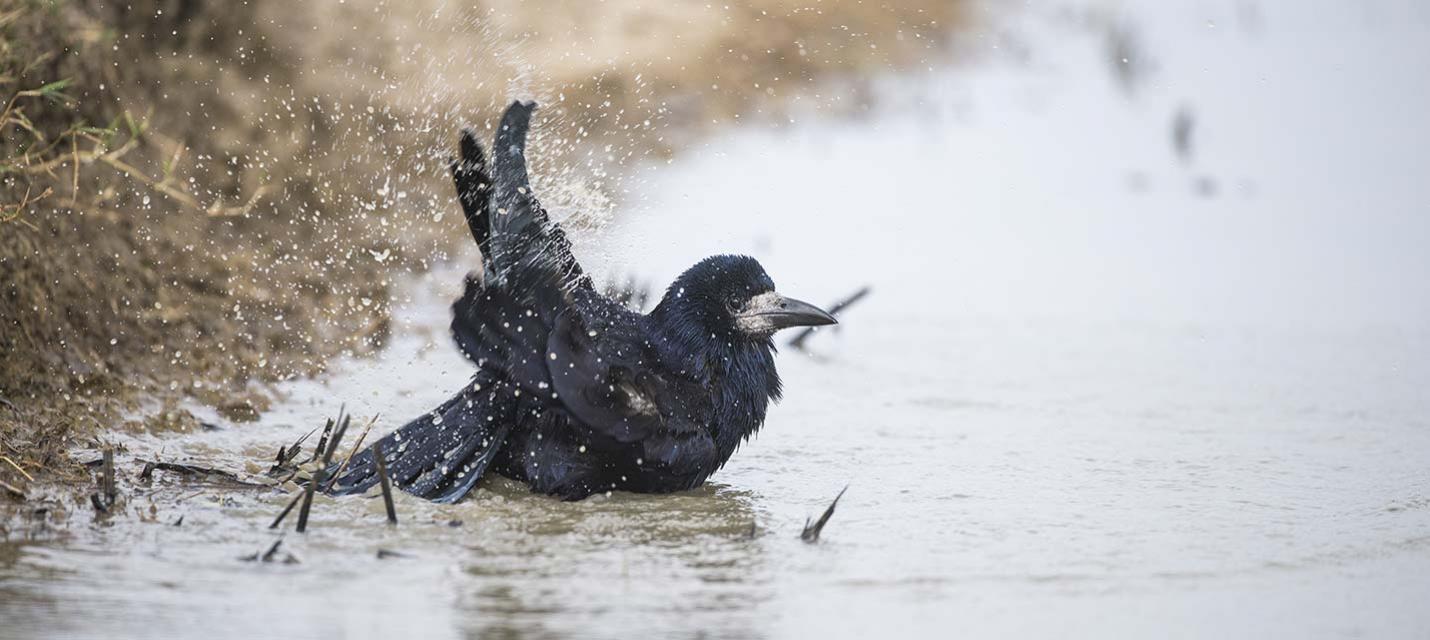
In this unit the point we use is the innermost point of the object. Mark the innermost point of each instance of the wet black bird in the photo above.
(574, 393)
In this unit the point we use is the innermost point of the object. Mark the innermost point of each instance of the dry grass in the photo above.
(197, 195)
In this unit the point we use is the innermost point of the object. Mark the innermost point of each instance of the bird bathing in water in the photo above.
(574, 393)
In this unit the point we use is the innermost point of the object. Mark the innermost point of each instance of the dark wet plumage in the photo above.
(574, 393)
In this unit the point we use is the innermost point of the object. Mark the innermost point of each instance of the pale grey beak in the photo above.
(769, 312)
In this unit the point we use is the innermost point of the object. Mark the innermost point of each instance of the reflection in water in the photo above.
(655, 561)
(506, 562)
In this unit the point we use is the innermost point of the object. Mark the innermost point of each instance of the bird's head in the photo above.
(732, 296)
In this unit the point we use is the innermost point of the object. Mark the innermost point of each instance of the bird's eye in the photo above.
(732, 302)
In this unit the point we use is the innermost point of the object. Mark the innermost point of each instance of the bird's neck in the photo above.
(739, 374)
(744, 384)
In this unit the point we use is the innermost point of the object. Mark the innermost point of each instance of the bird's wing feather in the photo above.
(530, 270)
(604, 371)
(525, 244)
(535, 306)
(474, 190)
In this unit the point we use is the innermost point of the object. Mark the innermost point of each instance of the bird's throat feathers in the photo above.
(739, 373)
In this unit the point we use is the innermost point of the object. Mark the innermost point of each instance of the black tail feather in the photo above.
(448, 484)
(442, 454)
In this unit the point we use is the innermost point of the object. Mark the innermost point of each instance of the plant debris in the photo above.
(283, 465)
(798, 341)
(385, 482)
(104, 499)
(271, 554)
(195, 471)
(811, 531)
(319, 476)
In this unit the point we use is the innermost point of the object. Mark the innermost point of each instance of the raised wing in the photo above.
(535, 316)
(529, 270)
(524, 243)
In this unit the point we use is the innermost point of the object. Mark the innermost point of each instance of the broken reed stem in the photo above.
(811, 531)
(325, 448)
(323, 439)
(12, 463)
(343, 422)
(308, 501)
(284, 514)
(386, 484)
(272, 551)
(317, 451)
(110, 493)
(798, 341)
(104, 498)
(286, 455)
(357, 446)
(321, 474)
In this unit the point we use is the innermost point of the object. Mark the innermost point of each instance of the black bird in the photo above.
(574, 393)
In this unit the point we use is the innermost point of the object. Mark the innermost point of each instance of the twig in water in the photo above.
(386, 484)
(344, 421)
(105, 497)
(811, 531)
(320, 475)
(357, 446)
(798, 341)
(308, 501)
(283, 462)
(273, 550)
(383, 554)
(110, 492)
(323, 439)
(325, 448)
(284, 513)
(192, 470)
(267, 556)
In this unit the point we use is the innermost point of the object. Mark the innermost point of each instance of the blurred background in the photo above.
(1145, 350)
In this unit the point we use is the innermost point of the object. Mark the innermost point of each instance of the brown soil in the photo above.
(199, 197)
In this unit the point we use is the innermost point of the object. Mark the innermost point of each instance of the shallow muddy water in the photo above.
(1100, 388)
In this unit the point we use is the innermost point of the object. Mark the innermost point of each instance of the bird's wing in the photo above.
(605, 372)
(525, 245)
(529, 270)
(535, 306)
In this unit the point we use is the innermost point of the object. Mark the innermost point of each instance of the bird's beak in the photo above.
(772, 312)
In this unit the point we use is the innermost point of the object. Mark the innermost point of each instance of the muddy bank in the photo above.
(197, 198)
